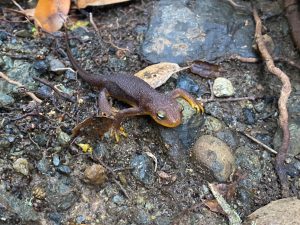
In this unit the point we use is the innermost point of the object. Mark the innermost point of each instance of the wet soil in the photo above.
(57, 170)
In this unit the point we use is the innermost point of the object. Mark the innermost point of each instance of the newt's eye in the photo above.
(161, 115)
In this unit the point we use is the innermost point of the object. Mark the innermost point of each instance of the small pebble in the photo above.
(64, 169)
(63, 138)
(249, 116)
(41, 66)
(43, 166)
(143, 169)
(69, 75)
(215, 155)
(45, 92)
(95, 174)
(55, 160)
(222, 87)
(80, 219)
(21, 165)
(56, 65)
(118, 199)
(188, 84)
(3, 36)
(6, 100)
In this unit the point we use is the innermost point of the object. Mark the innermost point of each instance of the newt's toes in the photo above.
(116, 132)
(199, 107)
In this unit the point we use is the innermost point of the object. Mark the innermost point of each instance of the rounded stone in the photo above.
(21, 165)
(95, 174)
(215, 155)
(283, 211)
(222, 87)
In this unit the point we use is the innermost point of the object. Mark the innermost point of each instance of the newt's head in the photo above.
(167, 112)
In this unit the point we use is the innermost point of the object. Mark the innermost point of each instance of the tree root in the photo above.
(284, 95)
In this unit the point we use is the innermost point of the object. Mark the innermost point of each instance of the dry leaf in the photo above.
(157, 74)
(214, 206)
(205, 69)
(84, 3)
(51, 14)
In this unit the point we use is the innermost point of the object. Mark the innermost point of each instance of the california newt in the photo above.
(143, 99)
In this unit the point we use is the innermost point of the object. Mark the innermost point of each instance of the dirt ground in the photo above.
(55, 191)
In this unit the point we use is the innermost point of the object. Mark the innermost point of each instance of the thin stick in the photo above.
(260, 143)
(17, 4)
(284, 95)
(33, 96)
(55, 89)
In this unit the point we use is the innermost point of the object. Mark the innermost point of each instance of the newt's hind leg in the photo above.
(180, 93)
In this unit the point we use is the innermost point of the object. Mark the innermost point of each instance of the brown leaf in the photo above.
(93, 126)
(157, 74)
(214, 206)
(84, 3)
(205, 69)
(51, 14)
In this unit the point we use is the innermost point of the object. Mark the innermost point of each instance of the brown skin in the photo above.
(144, 99)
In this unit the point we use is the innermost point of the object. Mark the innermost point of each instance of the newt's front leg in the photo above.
(180, 93)
(122, 115)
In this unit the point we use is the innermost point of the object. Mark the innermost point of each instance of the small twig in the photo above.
(33, 96)
(55, 89)
(259, 142)
(284, 95)
(115, 46)
(232, 215)
(17, 4)
(230, 99)
(36, 144)
(256, 60)
(35, 113)
(244, 59)
(94, 25)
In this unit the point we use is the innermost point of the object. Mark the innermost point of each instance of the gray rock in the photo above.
(21, 165)
(64, 169)
(43, 166)
(179, 32)
(143, 169)
(294, 127)
(63, 138)
(213, 124)
(283, 211)
(6, 100)
(4, 142)
(215, 155)
(55, 65)
(248, 161)
(22, 72)
(16, 211)
(60, 193)
(294, 103)
(55, 160)
(41, 66)
(249, 116)
(222, 87)
(228, 137)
